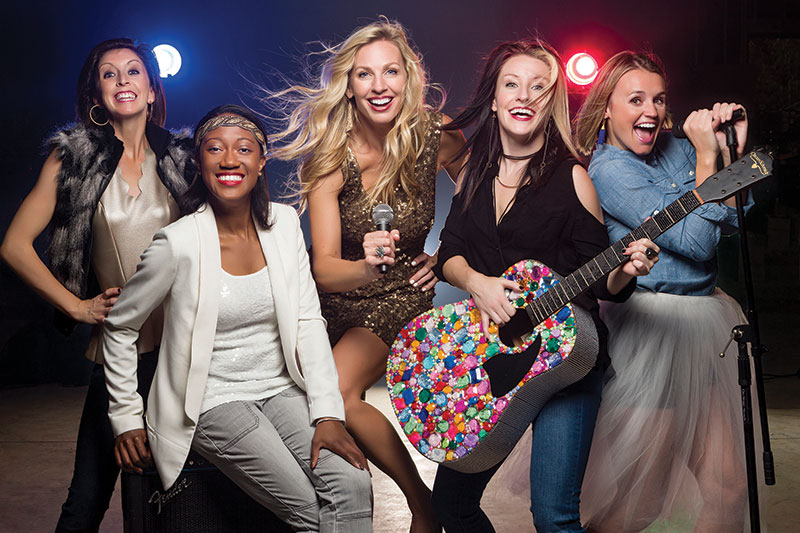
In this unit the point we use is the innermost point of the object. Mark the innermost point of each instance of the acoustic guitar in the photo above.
(464, 399)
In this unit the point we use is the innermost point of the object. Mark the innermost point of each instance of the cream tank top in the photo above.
(123, 227)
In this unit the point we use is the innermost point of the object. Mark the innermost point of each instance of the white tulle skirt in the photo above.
(668, 448)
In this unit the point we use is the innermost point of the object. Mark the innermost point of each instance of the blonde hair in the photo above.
(556, 94)
(591, 115)
(315, 132)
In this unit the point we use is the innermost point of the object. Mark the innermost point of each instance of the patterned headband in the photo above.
(231, 120)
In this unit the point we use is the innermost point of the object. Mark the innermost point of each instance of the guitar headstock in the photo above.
(739, 175)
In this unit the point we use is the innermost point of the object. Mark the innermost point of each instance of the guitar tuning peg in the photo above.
(769, 149)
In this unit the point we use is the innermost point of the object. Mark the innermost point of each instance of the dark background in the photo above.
(720, 50)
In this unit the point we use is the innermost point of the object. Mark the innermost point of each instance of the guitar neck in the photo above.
(583, 278)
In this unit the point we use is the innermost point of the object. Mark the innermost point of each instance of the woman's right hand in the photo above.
(17, 250)
(95, 310)
(132, 451)
(489, 295)
(379, 249)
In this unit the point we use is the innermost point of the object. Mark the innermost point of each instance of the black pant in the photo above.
(96, 470)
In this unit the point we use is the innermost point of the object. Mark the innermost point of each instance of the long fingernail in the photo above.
(413, 263)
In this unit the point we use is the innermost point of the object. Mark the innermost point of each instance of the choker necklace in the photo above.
(519, 157)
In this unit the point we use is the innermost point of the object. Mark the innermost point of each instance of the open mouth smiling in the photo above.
(230, 180)
(125, 96)
(380, 104)
(522, 113)
(645, 131)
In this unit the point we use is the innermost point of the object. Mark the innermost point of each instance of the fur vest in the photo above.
(89, 158)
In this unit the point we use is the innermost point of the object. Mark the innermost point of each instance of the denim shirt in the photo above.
(632, 188)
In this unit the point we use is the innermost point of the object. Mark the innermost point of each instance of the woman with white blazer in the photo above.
(245, 375)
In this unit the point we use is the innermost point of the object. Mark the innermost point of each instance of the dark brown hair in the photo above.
(484, 144)
(89, 80)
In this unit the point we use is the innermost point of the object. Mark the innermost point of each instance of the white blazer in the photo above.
(181, 267)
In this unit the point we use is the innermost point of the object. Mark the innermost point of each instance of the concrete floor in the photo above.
(38, 427)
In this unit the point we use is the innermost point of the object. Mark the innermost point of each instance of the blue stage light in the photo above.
(169, 60)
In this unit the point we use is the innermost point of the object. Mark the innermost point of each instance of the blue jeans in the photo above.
(264, 447)
(96, 470)
(562, 435)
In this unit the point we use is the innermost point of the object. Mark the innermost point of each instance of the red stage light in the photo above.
(582, 69)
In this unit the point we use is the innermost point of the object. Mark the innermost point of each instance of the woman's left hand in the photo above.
(424, 278)
(332, 435)
(723, 112)
(643, 254)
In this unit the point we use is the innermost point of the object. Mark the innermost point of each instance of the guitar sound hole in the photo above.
(516, 329)
(507, 370)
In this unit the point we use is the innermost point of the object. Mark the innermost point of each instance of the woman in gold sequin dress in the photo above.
(364, 136)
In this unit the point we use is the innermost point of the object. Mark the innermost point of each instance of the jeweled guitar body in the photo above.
(463, 399)
(451, 387)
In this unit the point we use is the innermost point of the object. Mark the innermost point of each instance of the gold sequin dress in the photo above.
(385, 305)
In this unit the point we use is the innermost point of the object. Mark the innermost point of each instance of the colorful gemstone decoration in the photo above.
(438, 388)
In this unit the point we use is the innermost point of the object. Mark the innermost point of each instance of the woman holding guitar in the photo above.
(522, 194)
(668, 443)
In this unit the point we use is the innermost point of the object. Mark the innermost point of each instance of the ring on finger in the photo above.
(380, 252)
(650, 253)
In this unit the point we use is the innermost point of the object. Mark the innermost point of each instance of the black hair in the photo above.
(197, 194)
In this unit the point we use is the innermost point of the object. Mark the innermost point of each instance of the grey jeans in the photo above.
(264, 447)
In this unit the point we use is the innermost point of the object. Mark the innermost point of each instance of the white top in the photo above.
(247, 359)
(181, 268)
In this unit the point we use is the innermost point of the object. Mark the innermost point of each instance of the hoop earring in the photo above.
(91, 117)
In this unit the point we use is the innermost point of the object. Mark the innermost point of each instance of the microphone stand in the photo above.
(744, 334)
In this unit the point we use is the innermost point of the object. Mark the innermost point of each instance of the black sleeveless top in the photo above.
(547, 222)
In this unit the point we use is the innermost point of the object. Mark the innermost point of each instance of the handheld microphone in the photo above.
(678, 133)
(382, 216)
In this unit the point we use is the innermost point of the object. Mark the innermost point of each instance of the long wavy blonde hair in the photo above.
(315, 132)
(591, 115)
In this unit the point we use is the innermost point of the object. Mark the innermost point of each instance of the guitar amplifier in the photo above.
(202, 500)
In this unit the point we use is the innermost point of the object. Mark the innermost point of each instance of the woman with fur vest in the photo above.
(108, 185)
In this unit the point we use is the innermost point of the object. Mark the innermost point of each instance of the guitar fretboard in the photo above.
(583, 278)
